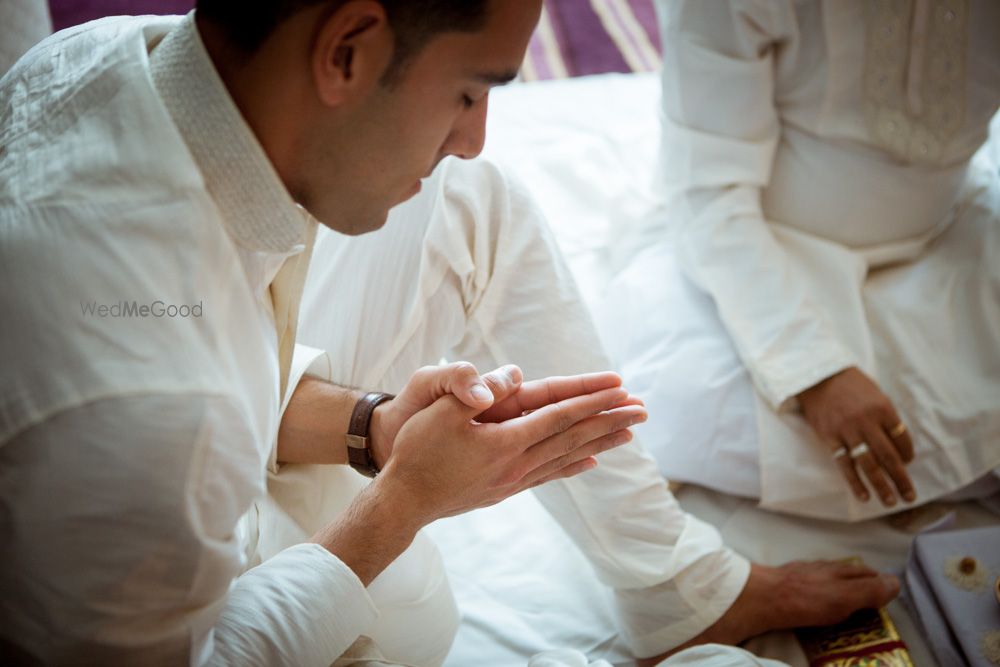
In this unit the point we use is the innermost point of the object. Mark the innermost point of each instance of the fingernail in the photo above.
(481, 393)
(910, 496)
(891, 582)
(623, 438)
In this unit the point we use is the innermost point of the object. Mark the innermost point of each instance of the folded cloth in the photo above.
(949, 584)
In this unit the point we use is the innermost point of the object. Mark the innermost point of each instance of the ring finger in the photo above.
(864, 459)
(850, 473)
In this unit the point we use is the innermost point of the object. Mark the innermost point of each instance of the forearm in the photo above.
(315, 421)
(375, 529)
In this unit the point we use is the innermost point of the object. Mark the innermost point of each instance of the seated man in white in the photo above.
(162, 184)
(817, 321)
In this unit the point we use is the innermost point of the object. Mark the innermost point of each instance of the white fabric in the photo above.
(476, 275)
(779, 263)
(23, 23)
(130, 445)
(708, 655)
(884, 543)
(584, 149)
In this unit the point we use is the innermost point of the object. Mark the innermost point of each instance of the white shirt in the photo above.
(131, 446)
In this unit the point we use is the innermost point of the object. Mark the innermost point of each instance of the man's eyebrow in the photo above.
(495, 78)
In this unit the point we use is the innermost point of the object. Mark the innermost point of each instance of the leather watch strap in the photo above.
(359, 453)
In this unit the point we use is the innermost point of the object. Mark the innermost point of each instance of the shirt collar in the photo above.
(258, 211)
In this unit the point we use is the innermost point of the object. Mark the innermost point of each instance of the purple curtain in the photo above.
(66, 13)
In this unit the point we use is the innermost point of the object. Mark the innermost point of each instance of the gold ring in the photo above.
(897, 430)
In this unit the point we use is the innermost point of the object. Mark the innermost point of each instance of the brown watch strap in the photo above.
(359, 453)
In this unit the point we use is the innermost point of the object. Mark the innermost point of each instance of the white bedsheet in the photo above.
(587, 150)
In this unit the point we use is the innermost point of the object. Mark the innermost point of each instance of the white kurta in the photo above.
(131, 443)
(23, 23)
(821, 208)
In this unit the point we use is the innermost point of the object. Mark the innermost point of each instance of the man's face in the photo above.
(380, 147)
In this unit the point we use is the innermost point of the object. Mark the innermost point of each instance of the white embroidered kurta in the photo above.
(132, 443)
(819, 195)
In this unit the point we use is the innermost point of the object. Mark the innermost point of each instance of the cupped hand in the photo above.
(864, 433)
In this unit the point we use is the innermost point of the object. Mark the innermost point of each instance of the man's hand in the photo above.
(428, 384)
(796, 595)
(446, 462)
(462, 380)
(848, 410)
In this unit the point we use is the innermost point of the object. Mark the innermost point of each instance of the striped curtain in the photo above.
(578, 37)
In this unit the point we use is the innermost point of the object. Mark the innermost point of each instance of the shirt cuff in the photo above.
(305, 361)
(314, 606)
(781, 388)
(707, 589)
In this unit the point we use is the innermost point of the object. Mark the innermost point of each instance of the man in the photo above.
(829, 256)
(162, 179)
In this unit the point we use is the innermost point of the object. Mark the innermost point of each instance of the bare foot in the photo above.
(795, 595)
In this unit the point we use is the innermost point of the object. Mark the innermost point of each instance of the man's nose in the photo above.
(469, 133)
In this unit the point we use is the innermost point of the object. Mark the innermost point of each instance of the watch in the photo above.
(359, 453)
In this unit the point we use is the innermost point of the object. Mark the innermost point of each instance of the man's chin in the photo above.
(356, 226)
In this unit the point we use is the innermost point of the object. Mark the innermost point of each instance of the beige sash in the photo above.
(286, 295)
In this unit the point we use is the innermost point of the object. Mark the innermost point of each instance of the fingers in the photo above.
(853, 569)
(503, 382)
(865, 461)
(556, 418)
(460, 378)
(846, 465)
(571, 470)
(588, 438)
(887, 457)
(539, 393)
(899, 435)
(872, 592)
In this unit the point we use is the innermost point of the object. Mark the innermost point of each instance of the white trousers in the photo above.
(468, 270)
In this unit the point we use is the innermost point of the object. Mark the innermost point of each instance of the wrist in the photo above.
(399, 501)
(376, 528)
(381, 442)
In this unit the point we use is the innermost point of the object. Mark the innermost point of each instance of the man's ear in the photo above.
(352, 48)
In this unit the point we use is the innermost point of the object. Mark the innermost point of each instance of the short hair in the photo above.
(413, 22)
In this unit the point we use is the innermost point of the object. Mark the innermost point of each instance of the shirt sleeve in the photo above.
(119, 525)
(720, 132)
(671, 573)
(305, 361)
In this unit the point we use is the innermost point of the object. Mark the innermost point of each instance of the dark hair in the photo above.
(249, 24)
